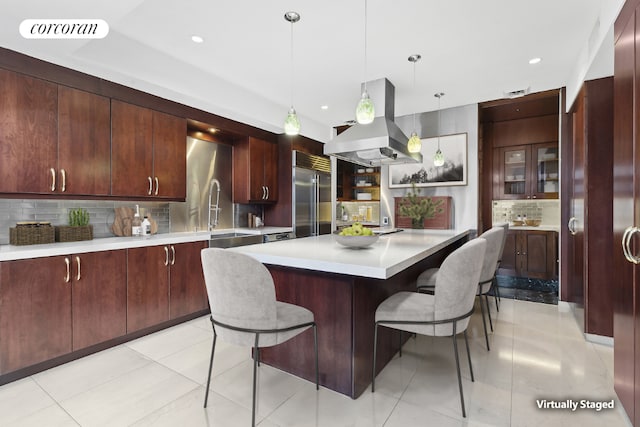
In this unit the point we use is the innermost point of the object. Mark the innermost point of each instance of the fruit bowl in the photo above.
(356, 242)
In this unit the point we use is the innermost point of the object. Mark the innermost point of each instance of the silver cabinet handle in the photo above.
(166, 256)
(78, 264)
(534, 196)
(571, 225)
(68, 276)
(267, 198)
(173, 255)
(53, 179)
(150, 190)
(626, 244)
(64, 180)
(264, 192)
(155, 193)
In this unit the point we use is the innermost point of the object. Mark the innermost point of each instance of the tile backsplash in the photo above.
(548, 211)
(101, 213)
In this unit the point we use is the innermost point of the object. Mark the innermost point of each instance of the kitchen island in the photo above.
(343, 287)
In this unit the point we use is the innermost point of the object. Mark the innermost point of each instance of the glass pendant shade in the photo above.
(291, 123)
(438, 159)
(365, 112)
(414, 145)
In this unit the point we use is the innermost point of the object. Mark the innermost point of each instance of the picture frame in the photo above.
(425, 174)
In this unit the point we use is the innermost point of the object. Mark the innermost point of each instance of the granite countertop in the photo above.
(391, 254)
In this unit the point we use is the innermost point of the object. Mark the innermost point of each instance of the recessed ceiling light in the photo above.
(534, 60)
(212, 130)
(197, 39)
(324, 107)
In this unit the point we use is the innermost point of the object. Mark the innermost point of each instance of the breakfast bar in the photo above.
(343, 287)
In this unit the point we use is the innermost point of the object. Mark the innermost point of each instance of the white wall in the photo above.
(465, 198)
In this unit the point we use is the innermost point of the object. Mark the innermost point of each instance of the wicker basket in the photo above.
(32, 234)
(66, 233)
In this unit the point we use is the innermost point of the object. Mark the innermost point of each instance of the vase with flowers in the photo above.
(419, 208)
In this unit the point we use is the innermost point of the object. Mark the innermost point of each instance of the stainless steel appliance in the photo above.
(311, 195)
(276, 237)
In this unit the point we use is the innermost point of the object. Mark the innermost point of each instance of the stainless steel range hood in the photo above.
(378, 143)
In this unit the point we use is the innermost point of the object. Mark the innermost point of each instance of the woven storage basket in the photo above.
(66, 233)
(31, 235)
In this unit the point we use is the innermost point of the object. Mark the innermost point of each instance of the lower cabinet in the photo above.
(52, 306)
(164, 282)
(530, 253)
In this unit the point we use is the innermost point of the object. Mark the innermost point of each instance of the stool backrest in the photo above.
(494, 237)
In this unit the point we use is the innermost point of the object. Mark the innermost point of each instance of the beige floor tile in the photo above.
(21, 399)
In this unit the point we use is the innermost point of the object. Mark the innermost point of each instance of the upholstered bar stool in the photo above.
(446, 312)
(496, 289)
(427, 280)
(244, 310)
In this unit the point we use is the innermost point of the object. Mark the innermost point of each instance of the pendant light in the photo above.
(414, 145)
(438, 159)
(365, 111)
(291, 123)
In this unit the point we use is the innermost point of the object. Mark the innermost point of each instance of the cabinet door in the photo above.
(514, 172)
(271, 171)
(508, 262)
(188, 291)
(147, 287)
(169, 156)
(99, 299)
(131, 150)
(35, 312)
(28, 134)
(545, 173)
(258, 149)
(84, 143)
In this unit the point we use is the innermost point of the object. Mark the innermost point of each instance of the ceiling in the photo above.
(473, 51)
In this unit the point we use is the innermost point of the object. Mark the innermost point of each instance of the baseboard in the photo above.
(599, 339)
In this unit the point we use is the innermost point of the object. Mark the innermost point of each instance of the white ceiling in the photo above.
(472, 50)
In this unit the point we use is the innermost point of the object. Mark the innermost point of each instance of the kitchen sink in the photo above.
(231, 240)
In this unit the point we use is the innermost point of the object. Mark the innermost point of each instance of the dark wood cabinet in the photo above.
(530, 253)
(625, 274)
(28, 134)
(147, 286)
(148, 150)
(188, 293)
(164, 282)
(84, 143)
(99, 296)
(255, 171)
(35, 312)
(527, 171)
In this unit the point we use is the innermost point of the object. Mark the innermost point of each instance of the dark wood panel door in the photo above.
(35, 312)
(271, 171)
(625, 315)
(577, 201)
(147, 287)
(99, 299)
(534, 254)
(509, 254)
(28, 134)
(131, 150)
(169, 156)
(188, 291)
(256, 169)
(84, 143)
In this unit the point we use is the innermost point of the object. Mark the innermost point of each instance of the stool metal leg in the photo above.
(213, 349)
(484, 323)
(255, 374)
(466, 342)
(486, 301)
(455, 350)
(375, 346)
(315, 341)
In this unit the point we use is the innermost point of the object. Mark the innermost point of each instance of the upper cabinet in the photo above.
(255, 171)
(148, 150)
(84, 143)
(28, 134)
(527, 171)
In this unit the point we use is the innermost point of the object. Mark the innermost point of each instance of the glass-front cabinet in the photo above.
(529, 171)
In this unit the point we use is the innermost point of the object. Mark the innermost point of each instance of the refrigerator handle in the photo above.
(314, 205)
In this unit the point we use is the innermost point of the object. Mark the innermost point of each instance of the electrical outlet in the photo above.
(385, 220)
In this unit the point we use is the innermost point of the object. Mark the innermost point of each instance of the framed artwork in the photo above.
(426, 174)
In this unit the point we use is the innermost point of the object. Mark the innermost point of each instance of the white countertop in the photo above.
(555, 228)
(258, 230)
(11, 252)
(391, 254)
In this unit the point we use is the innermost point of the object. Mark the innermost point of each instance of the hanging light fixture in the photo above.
(291, 123)
(365, 111)
(414, 145)
(438, 159)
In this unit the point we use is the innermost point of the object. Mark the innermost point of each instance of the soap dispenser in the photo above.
(146, 227)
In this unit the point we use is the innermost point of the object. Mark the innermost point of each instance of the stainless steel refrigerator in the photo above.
(311, 195)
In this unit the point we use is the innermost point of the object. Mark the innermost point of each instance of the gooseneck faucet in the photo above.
(216, 207)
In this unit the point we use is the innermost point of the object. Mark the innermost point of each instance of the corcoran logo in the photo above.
(64, 28)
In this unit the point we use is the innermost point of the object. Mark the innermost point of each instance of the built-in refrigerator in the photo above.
(311, 194)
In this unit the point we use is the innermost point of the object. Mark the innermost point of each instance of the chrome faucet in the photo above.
(216, 207)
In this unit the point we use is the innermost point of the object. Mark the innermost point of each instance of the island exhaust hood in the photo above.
(381, 142)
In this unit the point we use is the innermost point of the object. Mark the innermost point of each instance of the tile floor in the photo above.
(537, 353)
